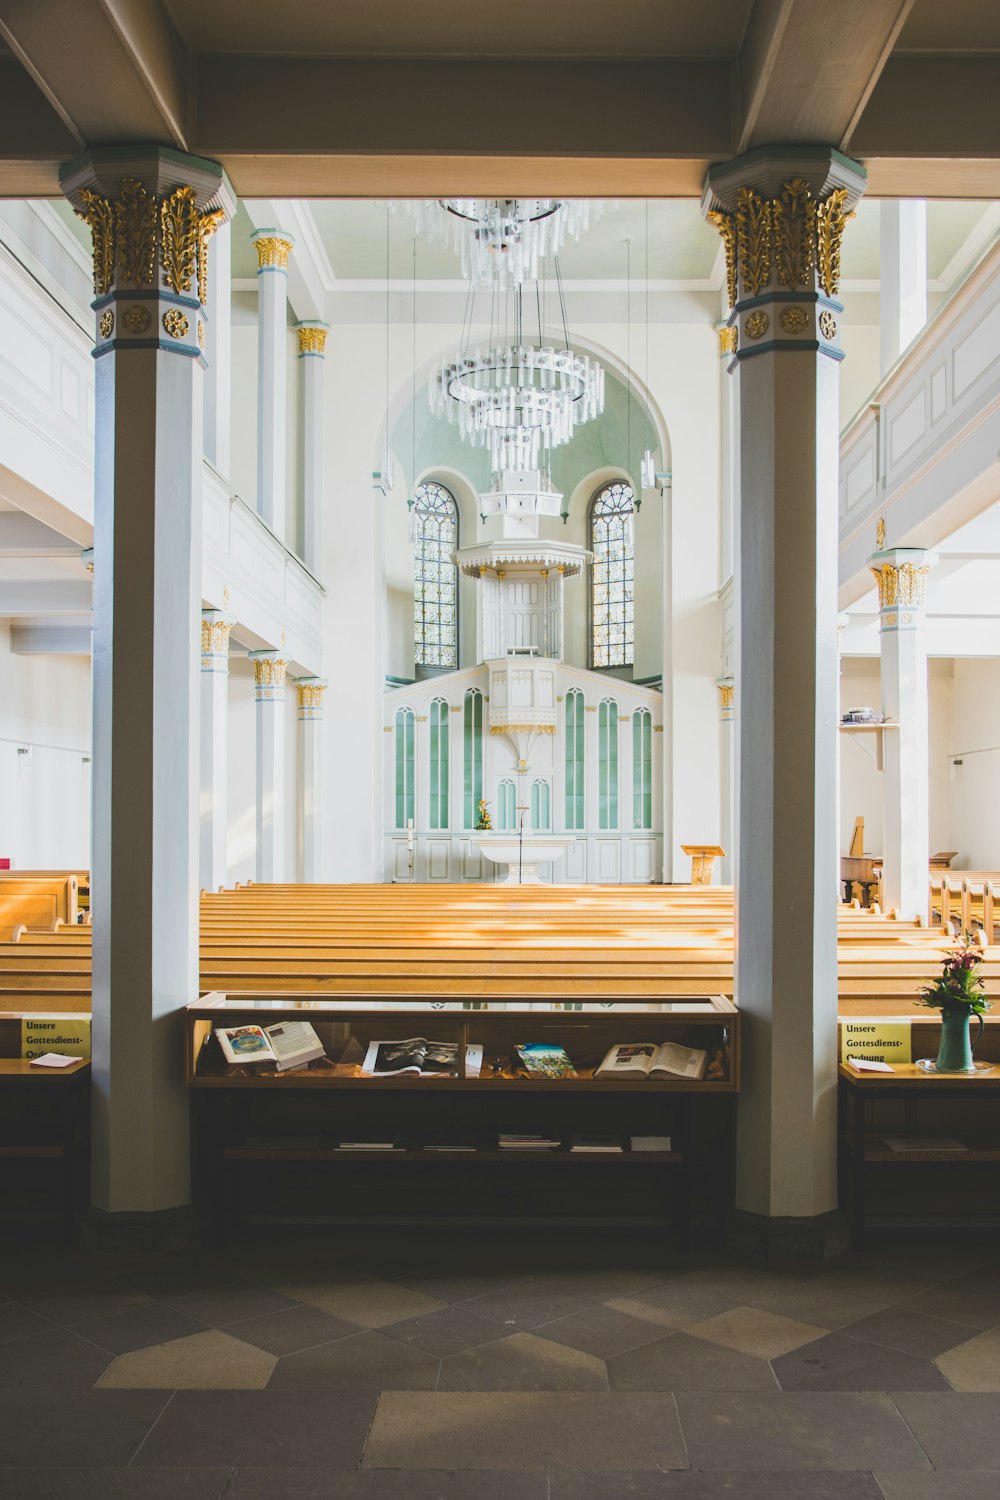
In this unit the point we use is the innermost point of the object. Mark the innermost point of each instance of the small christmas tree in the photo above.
(484, 825)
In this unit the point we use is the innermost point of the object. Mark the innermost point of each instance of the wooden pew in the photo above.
(37, 898)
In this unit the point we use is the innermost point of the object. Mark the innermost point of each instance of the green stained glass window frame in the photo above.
(541, 806)
(435, 577)
(472, 756)
(612, 541)
(607, 765)
(405, 740)
(506, 807)
(575, 761)
(439, 764)
(642, 768)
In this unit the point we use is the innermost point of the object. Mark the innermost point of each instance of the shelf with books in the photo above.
(687, 1043)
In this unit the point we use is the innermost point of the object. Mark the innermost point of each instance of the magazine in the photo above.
(287, 1044)
(542, 1060)
(417, 1055)
(640, 1059)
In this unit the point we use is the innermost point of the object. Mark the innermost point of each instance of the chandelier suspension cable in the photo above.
(628, 357)
(413, 371)
(562, 301)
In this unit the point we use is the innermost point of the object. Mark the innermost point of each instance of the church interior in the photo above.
(499, 736)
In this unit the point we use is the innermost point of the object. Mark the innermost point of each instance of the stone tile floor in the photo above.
(434, 1365)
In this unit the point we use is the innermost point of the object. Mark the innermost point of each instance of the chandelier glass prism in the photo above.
(503, 242)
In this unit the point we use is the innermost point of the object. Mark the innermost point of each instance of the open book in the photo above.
(636, 1059)
(287, 1044)
(418, 1055)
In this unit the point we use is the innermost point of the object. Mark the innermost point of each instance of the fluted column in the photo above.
(151, 212)
(781, 212)
(901, 576)
(213, 860)
(727, 693)
(309, 692)
(312, 351)
(269, 696)
(273, 250)
(218, 349)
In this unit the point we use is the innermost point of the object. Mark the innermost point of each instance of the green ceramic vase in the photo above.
(956, 1049)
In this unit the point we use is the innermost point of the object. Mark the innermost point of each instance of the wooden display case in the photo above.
(244, 1118)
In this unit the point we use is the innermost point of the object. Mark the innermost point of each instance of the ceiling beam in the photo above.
(806, 70)
(23, 536)
(70, 596)
(114, 71)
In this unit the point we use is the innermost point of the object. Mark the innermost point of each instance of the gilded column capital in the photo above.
(268, 676)
(87, 558)
(215, 629)
(309, 692)
(900, 575)
(781, 212)
(728, 340)
(727, 692)
(151, 215)
(273, 249)
(312, 338)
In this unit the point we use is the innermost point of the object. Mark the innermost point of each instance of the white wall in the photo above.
(45, 804)
(861, 781)
(974, 740)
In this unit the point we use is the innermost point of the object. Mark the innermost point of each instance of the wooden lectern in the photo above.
(703, 858)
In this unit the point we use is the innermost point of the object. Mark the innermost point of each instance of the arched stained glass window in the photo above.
(506, 807)
(541, 816)
(607, 764)
(405, 734)
(612, 541)
(472, 747)
(439, 763)
(642, 768)
(575, 788)
(435, 577)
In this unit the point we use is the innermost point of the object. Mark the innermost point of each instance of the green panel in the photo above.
(607, 765)
(642, 769)
(439, 764)
(540, 806)
(405, 736)
(575, 784)
(507, 809)
(472, 769)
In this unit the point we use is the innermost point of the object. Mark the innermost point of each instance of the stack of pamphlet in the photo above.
(596, 1144)
(512, 1140)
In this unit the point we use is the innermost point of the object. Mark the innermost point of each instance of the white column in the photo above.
(781, 212)
(273, 250)
(213, 816)
(147, 598)
(309, 691)
(218, 350)
(269, 695)
(902, 276)
(312, 350)
(901, 575)
(727, 693)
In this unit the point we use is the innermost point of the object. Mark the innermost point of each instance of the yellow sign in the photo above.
(876, 1041)
(69, 1035)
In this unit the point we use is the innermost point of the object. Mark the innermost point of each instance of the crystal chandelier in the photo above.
(503, 242)
(517, 400)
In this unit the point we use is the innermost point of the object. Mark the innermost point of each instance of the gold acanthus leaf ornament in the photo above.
(135, 226)
(794, 235)
(726, 226)
(207, 225)
(753, 240)
(99, 215)
(831, 220)
(179, 230)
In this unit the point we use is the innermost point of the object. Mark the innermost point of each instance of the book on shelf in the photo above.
(598, 1145)
(643, 1059)
(374, 1143)
(649, 1143)
(543, 1060)
(426, 1059)
(924, 1143)
(510, 1140)
(287, 1044)
(450, 1142)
